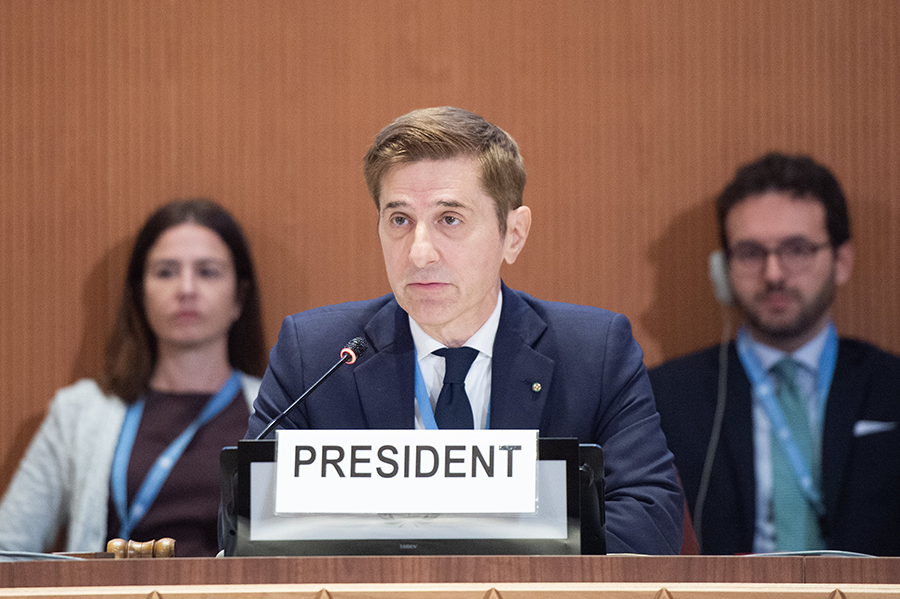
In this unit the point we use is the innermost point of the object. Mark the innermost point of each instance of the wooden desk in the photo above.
(458, 577)
(452, 569)
(872, 570)
(560, 590)
(413, 569)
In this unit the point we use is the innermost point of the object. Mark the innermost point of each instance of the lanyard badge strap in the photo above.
(424, 401)
(163, 465)
(764, 393)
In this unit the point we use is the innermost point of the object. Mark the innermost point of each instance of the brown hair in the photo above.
(798, 175)
(444, 133)
(131, 348)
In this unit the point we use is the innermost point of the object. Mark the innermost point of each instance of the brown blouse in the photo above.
(187, 505)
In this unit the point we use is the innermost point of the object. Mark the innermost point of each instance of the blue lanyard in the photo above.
(763, 391)
(163, 465)
(425, 402)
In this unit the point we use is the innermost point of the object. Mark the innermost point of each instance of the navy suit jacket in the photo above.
(860, 469)
(593, 386)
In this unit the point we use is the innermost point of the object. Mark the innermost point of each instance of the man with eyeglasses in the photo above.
(787, 438)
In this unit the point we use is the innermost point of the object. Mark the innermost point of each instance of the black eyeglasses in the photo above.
(794, 256)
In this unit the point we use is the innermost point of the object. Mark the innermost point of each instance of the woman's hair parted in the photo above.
(131, 350)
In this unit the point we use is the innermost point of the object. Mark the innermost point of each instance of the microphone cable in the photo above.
(716, 432)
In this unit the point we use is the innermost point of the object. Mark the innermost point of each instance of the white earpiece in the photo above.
(718, 274)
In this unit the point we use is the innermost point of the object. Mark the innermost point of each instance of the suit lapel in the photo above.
(737, 434)
(385, 382)
(520, 376)
(842, 409)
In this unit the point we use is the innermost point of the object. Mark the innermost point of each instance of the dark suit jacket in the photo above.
(593, 386)
(860, 474)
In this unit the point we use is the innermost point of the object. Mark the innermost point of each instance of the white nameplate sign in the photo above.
(405, 471)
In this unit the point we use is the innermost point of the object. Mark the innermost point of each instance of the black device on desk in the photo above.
(570, 518)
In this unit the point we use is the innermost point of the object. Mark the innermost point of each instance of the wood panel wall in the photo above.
(631, 115)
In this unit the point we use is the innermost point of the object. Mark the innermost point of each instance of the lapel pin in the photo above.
(536, 387)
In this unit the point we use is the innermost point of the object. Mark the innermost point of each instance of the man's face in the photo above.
(442, 245)
(784, 305)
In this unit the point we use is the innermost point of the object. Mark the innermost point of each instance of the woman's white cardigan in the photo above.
(63, 480)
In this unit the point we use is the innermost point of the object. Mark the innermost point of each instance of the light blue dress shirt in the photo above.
(809, 357)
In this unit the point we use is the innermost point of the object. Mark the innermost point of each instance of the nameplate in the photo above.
(405, 471)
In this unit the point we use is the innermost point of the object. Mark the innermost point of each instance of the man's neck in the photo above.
(458, 336)
(450, 337)
(788, 344)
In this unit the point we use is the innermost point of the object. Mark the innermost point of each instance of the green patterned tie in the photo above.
(796, 522)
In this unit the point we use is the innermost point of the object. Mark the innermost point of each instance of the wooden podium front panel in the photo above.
(405, 569)
(558, 590)
(862, 570)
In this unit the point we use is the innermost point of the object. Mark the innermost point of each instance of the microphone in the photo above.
(352, 351)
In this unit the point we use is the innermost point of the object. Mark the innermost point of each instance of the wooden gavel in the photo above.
(122, 549)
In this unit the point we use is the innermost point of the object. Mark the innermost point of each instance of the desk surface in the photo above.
(452, 569)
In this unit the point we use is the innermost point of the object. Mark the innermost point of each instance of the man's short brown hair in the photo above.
(444, 133)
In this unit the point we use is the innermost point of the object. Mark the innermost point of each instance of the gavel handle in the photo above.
(123, 549)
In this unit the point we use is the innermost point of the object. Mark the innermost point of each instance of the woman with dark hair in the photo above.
(134, 454)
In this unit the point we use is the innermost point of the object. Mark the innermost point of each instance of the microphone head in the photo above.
(355, 348)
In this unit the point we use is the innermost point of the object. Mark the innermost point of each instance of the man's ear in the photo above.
(843, 262)
(518, 223)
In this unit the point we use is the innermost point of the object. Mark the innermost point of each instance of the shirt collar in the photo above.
(482, 340)
(808, 356)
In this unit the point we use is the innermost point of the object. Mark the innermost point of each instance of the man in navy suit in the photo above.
(448, 188)
(826, 477)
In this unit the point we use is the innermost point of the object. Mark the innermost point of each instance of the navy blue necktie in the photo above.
(453, 408)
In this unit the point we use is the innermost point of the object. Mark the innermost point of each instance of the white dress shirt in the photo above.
(478, 380)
